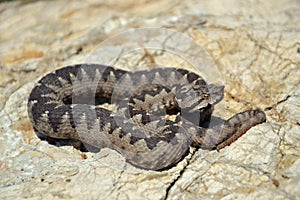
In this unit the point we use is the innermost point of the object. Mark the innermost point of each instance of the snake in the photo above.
(151, 117)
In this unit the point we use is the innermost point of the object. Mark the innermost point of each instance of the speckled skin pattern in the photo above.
(65, 105)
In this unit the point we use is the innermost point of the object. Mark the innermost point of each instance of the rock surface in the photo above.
(255, 45)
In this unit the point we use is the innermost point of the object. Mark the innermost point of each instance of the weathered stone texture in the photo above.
(256, 47)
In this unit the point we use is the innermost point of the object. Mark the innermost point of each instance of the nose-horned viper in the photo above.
(63, 105)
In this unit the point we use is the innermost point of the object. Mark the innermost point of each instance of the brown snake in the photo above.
(65, 105)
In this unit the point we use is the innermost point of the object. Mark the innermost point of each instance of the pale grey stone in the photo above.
(255, 47)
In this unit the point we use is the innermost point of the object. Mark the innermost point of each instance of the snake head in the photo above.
(216, 93)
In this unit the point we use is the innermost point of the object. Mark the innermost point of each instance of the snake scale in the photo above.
(66, 104)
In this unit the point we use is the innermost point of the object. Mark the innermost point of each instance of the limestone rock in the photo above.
(255, 46)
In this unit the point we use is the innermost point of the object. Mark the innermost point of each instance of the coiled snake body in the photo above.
(64, 105)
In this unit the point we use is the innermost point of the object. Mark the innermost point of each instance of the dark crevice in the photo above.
(78, 50)
(179, 176)
(277, 103)
(283, 100)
